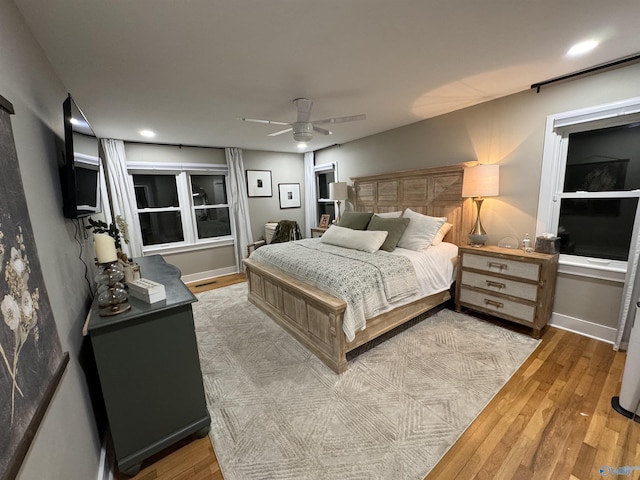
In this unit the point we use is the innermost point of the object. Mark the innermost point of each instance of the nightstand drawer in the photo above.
(528, 291)
(513, 268)
(498, 305)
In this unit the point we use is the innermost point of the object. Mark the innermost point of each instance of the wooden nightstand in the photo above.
(317, 232)
(508, 283)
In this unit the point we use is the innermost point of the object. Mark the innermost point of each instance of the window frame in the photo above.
(556, 143)
(321, 202)
(182, 173)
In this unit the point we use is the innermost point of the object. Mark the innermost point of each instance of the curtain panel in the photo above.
(310, 194)
(122, 194)
(238, 204)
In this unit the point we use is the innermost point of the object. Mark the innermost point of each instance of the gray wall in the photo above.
(66, 444)
(285, 168)
(509, 131)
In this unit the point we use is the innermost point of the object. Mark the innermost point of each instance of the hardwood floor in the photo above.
(553, 419)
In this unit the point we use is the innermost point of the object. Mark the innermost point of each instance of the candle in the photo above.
(105, 247)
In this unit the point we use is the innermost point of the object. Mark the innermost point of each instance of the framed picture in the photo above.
(289, 195)
(32, 361)
(324, 220)
(259, 183)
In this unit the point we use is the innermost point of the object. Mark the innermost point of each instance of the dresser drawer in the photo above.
(528, 291)
(514, 268)
(497, 305)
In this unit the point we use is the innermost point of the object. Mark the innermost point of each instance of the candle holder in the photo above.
(112, 296)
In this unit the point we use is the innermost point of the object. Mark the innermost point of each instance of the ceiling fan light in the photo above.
(302, 132)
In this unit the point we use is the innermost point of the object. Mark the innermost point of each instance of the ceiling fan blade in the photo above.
(322, 130)
(281, 131)
(351, 118)
(304, 109)
(257, 120)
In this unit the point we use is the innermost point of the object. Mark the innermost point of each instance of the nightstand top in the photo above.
(515, 252)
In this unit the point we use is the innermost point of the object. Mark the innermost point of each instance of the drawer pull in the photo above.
(501, 266)
(493, 303)
(495, 284)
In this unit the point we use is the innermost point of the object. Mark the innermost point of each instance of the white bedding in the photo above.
(435, 267)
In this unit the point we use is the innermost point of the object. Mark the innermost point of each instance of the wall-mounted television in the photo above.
(80, 168)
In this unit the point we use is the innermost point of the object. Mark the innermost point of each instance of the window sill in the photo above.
(613, 273)
(171, 249)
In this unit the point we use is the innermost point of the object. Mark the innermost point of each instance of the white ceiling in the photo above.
(190, 69)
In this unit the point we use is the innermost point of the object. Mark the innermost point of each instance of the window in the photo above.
(591, 184)
(158, 209)
(210, 208)
(325, 174)
(181, 207)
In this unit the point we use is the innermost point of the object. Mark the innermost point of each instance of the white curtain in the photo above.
(122, 194)
(310, 198)
(238, 204)
(631, 290)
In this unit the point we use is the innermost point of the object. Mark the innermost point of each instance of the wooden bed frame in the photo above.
(314, 317)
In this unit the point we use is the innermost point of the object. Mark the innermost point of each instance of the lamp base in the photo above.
(477, 240)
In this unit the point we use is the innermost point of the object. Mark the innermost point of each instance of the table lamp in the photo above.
(479, 182)
(338, 192)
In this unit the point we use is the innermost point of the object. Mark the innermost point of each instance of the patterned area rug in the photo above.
(277, 412)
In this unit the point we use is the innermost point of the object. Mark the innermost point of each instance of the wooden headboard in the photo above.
(433, 191)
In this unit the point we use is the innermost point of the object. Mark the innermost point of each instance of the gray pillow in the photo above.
(394, 227)
(355, 220)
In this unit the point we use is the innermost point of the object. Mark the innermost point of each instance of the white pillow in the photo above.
(397, 214)
(444, 229)
(421, 231)
(365, 240)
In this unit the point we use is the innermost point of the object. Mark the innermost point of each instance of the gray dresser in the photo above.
(149, 370)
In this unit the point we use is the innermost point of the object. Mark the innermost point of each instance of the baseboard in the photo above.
(206, 275)
(106, 465)
(582, 327)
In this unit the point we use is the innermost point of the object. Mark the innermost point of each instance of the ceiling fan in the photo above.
(303, 128)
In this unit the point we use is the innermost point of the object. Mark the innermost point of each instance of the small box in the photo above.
(147, 290)
(548, 244)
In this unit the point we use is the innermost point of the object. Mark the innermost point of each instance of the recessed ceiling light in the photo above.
(302, 145)
(148, 133)
(582, 47)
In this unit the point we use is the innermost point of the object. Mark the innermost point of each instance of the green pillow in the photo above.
(395, 228)
(355, 220)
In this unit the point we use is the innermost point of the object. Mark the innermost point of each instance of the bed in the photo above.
(315, 317)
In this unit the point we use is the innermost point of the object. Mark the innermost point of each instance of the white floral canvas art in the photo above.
(31, 357)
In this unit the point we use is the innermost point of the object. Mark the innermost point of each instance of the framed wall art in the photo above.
(259, 183)
(31, 358)
(289, 195)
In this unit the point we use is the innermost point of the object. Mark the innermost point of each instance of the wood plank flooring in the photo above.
(553, 420)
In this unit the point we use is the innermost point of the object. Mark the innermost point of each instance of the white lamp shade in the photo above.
(338, 191)
(481, 181)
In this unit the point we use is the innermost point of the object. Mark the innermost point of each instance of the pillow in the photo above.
(395, 227)
(397, 214)
(355, 220)
(421, 230)
(367, 241)
(444, 229)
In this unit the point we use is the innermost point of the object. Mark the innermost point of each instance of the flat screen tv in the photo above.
(80, 168)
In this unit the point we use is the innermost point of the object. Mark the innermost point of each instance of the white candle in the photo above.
(105, 247)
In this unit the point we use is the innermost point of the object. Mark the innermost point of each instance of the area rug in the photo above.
(277, 412)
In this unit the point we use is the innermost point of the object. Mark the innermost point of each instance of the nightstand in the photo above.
(507, 283)
(316, 232)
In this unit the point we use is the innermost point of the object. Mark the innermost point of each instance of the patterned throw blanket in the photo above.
(367, 282)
